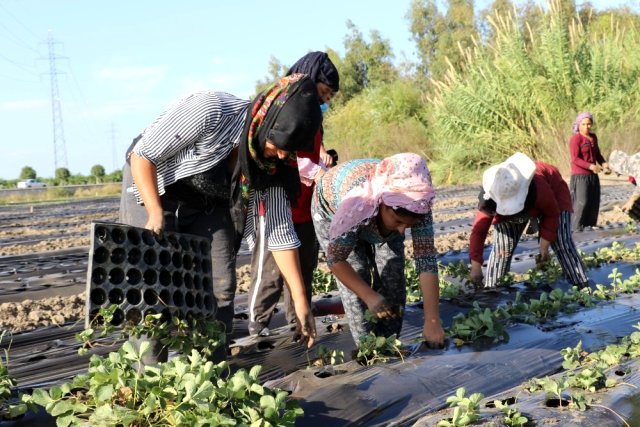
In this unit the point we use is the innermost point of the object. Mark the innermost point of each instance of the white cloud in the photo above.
(25, 104)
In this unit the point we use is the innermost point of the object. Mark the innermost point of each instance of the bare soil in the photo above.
(59, 234)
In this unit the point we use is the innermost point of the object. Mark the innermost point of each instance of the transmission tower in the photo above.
(59, 146)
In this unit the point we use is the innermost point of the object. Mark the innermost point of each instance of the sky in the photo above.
(119, 63)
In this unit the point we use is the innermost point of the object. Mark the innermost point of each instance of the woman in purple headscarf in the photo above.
(586, 163)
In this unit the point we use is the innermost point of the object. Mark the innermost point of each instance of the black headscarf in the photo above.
(319, 67)
(287, 115)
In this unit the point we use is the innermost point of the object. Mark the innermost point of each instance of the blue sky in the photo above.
(120, 63)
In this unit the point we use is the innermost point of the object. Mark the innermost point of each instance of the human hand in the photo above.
(306, 323)
(606, 169)
(155, 223)
(433, 334)
(541, 260)
(379, 307)
(326, 158)
(475, 274)
(628, 205)
(595, 168)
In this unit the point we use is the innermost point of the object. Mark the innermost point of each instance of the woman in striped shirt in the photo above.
(211, 154)
(361, 210)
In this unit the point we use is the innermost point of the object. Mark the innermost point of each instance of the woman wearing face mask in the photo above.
(361, 210)
(210, 155)
(267, 283)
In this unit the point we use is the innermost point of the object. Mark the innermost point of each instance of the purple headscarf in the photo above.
(579, 118)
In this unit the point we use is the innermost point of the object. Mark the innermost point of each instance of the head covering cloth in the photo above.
(580, 117)
(399, 181)
(319, 67)
(287, 115)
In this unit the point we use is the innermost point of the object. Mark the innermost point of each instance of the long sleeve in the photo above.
(576, 154)
(479, 231)
(549, 209)
(424, 250)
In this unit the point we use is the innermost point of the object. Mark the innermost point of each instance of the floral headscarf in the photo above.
(400, 181)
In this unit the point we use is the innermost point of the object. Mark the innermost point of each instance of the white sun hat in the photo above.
(508, 183)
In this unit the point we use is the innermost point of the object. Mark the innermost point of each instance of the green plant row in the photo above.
(585, 374)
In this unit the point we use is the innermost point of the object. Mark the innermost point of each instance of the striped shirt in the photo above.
(192, 136)
(197, 133)
(279, 231)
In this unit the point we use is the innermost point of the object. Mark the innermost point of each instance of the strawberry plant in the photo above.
(182, 335)
(187, 390)
(323, 282)
(466, 409)
(479, 323)
(8, 409)
(512, 417)
(374, 349)
(325, 356)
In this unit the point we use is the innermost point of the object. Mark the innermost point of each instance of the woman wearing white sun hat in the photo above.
(514, 192)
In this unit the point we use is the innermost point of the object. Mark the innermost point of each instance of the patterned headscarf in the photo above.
(287, 115)
(400, 181)
(319, 67)
(579, 118)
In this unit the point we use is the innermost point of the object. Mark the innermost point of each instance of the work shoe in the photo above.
(258, 329)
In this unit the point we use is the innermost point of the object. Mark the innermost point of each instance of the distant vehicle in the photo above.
(31, 183)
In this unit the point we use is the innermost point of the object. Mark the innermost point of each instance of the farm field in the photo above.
(43, 263)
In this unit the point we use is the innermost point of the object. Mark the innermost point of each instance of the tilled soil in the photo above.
(42, 230)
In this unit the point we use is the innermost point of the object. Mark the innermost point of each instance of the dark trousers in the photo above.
(267, 283)
(215, 225)
(381, 266)
(585, 196)
(507, 236)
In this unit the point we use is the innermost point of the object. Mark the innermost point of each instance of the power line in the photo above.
(19, 22)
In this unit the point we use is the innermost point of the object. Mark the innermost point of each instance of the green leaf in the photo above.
(65, 420)
(104, 392)
(62, 407)
(41, 397)
(268, 402)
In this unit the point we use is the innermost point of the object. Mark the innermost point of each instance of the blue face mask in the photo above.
(324, 107)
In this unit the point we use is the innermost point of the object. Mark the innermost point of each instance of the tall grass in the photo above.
(513, 96)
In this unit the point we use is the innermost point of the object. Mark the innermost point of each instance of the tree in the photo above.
(441, 39)
(365, 63)
(28, 172)
(62, 175)
(97, 171)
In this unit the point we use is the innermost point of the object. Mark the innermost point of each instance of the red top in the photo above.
(584, 152)
(302, 212)
(552, 197)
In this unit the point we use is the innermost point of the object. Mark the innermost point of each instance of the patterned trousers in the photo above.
(507, 236)
(381, 266)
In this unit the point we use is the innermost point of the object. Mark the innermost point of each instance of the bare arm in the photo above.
(289, 265)
(145, 177)
(432, 331)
